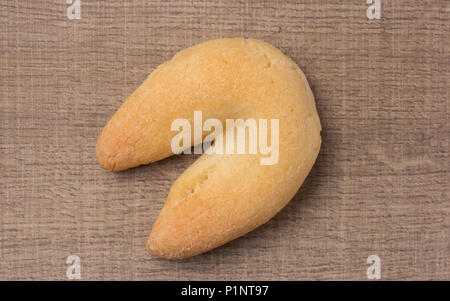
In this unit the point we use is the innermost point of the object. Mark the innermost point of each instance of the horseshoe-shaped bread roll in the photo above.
(221, 196)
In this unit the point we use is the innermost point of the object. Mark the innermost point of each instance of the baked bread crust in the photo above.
(219, 197)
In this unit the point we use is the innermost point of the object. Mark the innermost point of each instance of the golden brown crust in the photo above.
(220, 197)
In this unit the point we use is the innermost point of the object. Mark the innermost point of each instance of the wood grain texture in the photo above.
(380, 185)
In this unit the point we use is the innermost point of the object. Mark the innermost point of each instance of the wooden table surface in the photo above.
(379, 186)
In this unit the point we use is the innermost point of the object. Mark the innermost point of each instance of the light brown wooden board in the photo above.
(379, 186)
